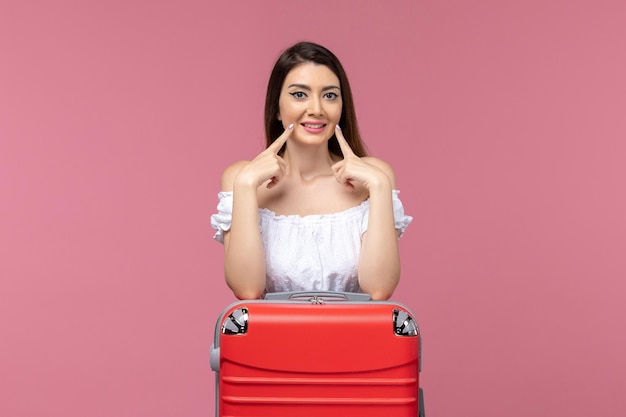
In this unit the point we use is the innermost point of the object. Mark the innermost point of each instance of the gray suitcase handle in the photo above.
(318, 295)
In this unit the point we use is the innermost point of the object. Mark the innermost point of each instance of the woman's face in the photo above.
(310, 99)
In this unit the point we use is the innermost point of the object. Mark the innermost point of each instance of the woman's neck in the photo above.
(308, 162)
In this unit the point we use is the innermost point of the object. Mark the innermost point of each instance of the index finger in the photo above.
(280, 141)
(343, 143)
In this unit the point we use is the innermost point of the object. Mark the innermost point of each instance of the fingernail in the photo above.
(290, 126)
(337, 127)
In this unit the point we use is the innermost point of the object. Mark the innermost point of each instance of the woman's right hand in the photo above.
(266, 166)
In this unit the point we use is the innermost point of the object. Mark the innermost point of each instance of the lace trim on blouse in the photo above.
(221, 221)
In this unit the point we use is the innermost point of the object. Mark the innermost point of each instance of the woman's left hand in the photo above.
(352, 169)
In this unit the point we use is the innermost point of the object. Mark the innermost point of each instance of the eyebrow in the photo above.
(306, 87)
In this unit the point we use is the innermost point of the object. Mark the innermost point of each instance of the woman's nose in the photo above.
(315, 106)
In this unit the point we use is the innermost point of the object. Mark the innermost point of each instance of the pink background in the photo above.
(505, 123)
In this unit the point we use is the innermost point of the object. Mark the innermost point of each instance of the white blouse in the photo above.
(318, 252)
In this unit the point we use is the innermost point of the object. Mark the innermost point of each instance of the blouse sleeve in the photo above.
(401, 220)
(221, 221)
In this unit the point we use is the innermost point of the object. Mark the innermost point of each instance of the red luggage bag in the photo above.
(317, 354)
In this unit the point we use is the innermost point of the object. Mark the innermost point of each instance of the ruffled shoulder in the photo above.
(222, 220)
(401, 220)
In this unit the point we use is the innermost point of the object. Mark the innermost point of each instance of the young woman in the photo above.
(311, 211)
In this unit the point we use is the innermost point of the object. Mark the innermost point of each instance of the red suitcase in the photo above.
(317, 354)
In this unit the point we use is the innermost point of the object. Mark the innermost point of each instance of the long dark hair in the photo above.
(297, 54)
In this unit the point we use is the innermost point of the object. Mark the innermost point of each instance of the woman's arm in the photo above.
(244, 256)
(379, 261)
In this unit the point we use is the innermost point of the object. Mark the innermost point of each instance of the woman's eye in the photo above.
(331, 96)
(298, 94)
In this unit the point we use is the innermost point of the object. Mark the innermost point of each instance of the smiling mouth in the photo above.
(314, 126)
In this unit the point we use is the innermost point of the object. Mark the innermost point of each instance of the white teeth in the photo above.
(314, 126)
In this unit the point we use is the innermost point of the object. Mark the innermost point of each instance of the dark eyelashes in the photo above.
(301, 95)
